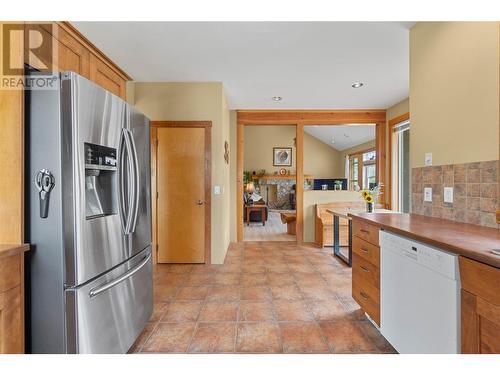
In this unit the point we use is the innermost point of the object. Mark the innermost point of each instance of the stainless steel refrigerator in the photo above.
(89, 206)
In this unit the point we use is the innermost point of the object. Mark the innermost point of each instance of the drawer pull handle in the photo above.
(365, 231)
(364, 296)
(364, 269)
(364, 250)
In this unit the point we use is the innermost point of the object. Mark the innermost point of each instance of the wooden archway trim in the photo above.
(300, 118)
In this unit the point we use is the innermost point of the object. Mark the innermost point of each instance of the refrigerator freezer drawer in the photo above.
(108, 314)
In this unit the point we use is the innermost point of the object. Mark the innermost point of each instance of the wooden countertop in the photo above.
(344, 212)
(8, 250)
(471, 241)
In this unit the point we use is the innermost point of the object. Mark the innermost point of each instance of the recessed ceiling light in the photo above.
(333, 140)
(277, 98)
(357, 85)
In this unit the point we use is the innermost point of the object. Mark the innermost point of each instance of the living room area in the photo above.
(269, 179)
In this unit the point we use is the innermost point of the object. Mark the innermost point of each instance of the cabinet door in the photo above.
(106, 77)
(11, 322)
(72, 55)
(480, 325)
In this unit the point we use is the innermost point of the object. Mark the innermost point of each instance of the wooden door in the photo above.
(181, 195)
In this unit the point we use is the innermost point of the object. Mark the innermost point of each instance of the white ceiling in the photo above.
(344, 136)
(310, 64)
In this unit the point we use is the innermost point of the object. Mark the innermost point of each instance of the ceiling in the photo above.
(311, 65)
(344, 136)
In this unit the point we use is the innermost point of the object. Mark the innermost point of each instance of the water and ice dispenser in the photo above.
(100, 181)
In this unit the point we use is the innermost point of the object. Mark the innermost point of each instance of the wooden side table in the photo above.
(256, 207)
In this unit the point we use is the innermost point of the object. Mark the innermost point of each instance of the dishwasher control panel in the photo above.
(426, 255)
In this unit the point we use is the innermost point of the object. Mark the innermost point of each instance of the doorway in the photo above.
(299, 119)
(269, 179)
(181, 160)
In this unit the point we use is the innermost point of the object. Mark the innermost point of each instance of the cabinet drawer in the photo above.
(366, 250)
(368, 297)
(10, 272)
(365, 272)
(480, 279)
(365, 231)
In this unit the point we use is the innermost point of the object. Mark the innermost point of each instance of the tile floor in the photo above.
(268, 297)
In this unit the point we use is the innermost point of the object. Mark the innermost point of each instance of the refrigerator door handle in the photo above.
(96, 291)
(121, 183)
(135, 196)
(127, 218)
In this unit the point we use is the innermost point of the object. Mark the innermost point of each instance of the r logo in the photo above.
(36, 41)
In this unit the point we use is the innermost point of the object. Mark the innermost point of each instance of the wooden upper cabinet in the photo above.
(102, 74)
(75, 53)
(72, 55)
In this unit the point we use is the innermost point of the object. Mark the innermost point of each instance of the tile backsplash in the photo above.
(475, 192)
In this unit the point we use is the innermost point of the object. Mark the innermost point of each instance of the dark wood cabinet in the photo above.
(480, 311)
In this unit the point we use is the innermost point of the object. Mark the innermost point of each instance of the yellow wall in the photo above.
(454, 92)
(202, 102)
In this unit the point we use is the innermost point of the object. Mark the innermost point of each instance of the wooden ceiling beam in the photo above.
(310, 117)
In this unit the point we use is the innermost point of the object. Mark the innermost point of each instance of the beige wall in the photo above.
(454, 93)
(313, 197)
(321, 160)
(202, 102)
(259, 143)
(398, 109)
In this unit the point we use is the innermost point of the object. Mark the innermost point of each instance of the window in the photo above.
(354, 168)
(400, 165)
(369, 156)
(363, 170)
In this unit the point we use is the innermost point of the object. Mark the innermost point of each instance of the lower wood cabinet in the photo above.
(12, 299)
(480, 300)
(366, 268)
(11, 322)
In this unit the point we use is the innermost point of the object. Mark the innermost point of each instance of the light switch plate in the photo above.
(428, 159)
(448, 195)
(217, 190)
(427, 194)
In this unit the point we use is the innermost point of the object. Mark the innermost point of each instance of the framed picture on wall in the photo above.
(282, 156)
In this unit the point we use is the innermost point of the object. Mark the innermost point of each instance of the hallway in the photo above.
(268, 297)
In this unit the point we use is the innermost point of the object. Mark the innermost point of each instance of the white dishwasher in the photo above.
(419, 296)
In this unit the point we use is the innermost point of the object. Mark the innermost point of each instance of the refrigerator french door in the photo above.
(91, 271)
